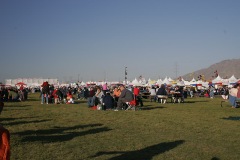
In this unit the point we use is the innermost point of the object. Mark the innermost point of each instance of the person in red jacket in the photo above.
(69, 98)
(4, 140)
(55, 96)
(136, 92)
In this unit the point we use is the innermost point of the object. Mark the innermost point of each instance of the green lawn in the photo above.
(199, 129)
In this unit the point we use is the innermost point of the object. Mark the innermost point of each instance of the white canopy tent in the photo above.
(166, 81)
(232, 80)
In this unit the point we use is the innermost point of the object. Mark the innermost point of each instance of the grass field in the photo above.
(199, 129)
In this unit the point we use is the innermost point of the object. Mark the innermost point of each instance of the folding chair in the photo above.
(162, 99)
(132, 104)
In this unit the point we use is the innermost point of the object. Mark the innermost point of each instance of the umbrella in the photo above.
(20, 84)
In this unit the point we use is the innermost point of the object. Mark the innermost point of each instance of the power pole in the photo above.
(125, 75)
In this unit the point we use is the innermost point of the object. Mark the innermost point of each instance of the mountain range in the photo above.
(225, 69)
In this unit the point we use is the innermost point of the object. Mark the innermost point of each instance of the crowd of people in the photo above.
(56, 95)
(102, 97)
(13, 94)
(108, 97)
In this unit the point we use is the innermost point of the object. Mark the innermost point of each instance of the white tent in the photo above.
(193, 82)
(180, 83)
(205, 84)
(159, 82)
(166, 81)
(142, 81)
(31, 82)
(135, 82)
(217, 80)
(232, 80)
(187, 83)
(151, 82)
(83, 84)
(170, 79)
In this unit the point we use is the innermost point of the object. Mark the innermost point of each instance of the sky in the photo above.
(94, 40)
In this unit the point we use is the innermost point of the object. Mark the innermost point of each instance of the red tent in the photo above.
(20, 84)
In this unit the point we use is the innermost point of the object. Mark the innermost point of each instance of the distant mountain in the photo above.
(225, 69)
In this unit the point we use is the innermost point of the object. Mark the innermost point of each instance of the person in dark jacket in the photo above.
(86, 92)
(45, 92)
(108, 101)
(60, 95)
(125, 96)
(162, 94)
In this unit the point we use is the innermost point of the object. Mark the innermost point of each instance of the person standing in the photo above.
(45, 92)
(238, 93)
(233, 92)
(211, 92)
(136, 92)
(90, 95)
(55, 96)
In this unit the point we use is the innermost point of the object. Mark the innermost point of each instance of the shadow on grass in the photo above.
(195, 101)
(80, 102)
(25, 122)
(232, 118)
(150, 108)
(19, 106)
(59, 134)
(142, 154)
(13, 119)
(7, 119)
(15, 109)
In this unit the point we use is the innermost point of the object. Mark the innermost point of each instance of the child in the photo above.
(69, 98)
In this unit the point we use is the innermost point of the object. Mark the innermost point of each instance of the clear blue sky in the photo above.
(96, 39)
